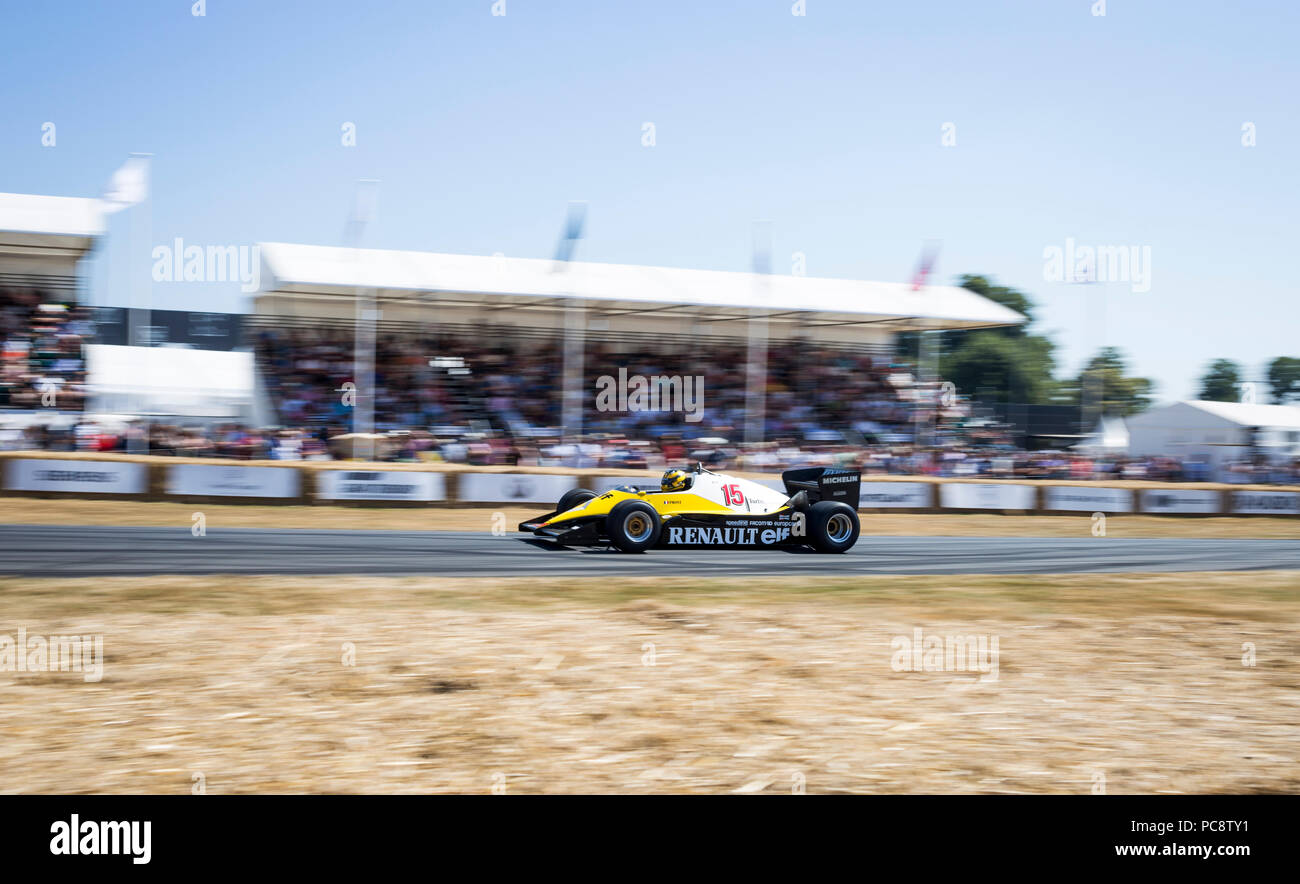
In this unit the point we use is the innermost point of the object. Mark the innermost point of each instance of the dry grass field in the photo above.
(705, 686)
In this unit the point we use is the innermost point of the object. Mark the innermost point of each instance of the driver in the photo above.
(675, 480)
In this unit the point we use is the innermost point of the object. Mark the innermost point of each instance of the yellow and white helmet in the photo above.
(675, 480)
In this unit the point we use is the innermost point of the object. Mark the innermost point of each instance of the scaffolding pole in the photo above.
(756, 360)
(363, 353)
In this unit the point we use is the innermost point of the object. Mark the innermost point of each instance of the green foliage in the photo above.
(1006, 364)
(1284, 379)
(1105, 381)
(994, 366)
(1221, 381)
(1014, 364)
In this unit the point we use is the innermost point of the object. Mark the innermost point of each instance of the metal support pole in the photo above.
(927, 368)
(363, 352)
(575, 326)
(575, 314)
(756, 380)
(140, 280)
(363, 412)
(756, 361)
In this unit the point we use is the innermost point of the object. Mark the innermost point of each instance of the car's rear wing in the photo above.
(824, 483)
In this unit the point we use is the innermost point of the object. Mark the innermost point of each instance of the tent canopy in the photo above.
(50, 215)
(1248, 414)
(1216, 431)
(43, 237)
(170, 381)
(527, 283)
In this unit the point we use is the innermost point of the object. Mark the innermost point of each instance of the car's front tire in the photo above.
(633, 526)
(572, 498)
(833, 526)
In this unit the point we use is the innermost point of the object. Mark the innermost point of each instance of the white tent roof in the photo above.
(1248, 415)
(170, 381)
(1199, 412)
(50, 215)
(323, 269)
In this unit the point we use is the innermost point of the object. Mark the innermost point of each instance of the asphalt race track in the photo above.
(72, 551)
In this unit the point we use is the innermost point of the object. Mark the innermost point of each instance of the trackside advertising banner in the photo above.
(894, 495)
(216, 480)
(1276, 503)
(78, 476)
(972, 496)
(1087, 500)
(1179, 500)
(380, 485)
(513, 487)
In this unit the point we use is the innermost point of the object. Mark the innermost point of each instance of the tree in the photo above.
(996, 367)
(1221, 381)
(1284, 378)
(1007, 297)
(1007, 363)
(1105, 381)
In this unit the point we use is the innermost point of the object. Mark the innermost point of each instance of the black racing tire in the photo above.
(572, 498)
(833, 526)
(633, 526)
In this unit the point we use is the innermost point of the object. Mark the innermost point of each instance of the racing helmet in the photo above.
(675, 480)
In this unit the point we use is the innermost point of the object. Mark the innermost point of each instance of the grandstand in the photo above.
(499, 327)
(497, 344)
(43, 240)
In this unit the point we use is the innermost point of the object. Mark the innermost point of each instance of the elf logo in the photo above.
(76, 837)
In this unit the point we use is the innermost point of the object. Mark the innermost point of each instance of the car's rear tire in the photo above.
(833, 526)
(633, 526)
(572, 498)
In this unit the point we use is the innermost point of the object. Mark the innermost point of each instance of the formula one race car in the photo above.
(698, 508)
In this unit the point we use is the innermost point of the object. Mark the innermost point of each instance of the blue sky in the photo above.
(1123, 129)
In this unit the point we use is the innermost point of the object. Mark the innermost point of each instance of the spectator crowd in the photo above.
(42, 363)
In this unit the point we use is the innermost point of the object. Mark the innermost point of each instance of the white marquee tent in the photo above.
(1216, 432)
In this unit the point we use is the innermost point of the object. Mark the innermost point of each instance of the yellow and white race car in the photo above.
(698, 508)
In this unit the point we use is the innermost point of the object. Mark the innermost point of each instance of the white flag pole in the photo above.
(130, 187)
(575, 336)
(756, 352)
(364, 336)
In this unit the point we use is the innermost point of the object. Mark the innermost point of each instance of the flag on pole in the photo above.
(128, 186)
(928, 256)
(573, 225)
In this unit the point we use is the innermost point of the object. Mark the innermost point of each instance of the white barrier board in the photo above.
(601, 484)
(223, 480)
(1179, 500)
(996, 496)
(513, 488)
(1087, 500)
(380, 485)
(77, 476)
(1277, 503)
(902, 495)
